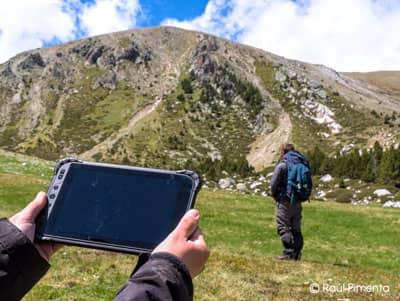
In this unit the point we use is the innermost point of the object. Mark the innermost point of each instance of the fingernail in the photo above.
(40, 194)
(196, 214)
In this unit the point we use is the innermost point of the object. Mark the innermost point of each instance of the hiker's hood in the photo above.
(295, 157)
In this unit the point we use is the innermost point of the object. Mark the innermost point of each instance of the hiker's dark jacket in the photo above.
(162, 277)
(279, 180)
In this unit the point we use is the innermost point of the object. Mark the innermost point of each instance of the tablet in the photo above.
(114, 207)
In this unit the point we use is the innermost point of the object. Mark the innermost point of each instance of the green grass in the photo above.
(343, 244)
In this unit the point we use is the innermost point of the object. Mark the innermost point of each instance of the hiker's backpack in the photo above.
(299, 184)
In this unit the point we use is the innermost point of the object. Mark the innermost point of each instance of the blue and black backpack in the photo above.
(299, 184)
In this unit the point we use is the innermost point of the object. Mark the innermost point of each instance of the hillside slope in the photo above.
(166, 97)
(386, 81)
(343, 245)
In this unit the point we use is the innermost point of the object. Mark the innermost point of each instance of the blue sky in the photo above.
(157, 11)
(347, 35)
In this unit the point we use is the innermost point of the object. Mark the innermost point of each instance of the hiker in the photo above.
(288, 199)
(166, 274)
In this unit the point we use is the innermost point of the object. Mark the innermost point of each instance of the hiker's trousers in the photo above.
(288, 225)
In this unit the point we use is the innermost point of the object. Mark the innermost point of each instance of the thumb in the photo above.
(33, 208)
(188, 223)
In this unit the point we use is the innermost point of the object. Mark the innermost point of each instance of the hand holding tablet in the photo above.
(114, 207)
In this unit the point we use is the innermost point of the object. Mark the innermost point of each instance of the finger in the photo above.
(196, 233)
(188, 224)
(33, 208)
(57, 247)
(198, 238)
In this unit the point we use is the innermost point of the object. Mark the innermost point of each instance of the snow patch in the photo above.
(322, 115)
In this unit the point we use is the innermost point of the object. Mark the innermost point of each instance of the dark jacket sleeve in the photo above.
(162, 278)
(21, 265)
(278, 180)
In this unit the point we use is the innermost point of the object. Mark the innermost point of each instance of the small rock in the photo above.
(392, 204)
(326, 178)
(280, 77)
(322, 94)
(241, 187)
(226, 183)
(255, 184)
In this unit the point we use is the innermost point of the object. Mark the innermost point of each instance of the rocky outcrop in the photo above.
(94, 52)
(33, 60)
(89, 50)
(108, 80)
(133, 54)
(203, 65)
(309, 94)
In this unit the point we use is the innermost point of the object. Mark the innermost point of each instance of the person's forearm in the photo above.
(163, 277)
(21, 265)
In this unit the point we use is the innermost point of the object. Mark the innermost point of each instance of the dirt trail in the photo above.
(110, 141)
(266, 147)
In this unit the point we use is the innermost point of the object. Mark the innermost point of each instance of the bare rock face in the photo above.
(32, 61)
(108, 81)
(7, 77)
(107, 60)
(203, 65)
(89, 50)
(133, 53)
(130, 53)
(107, 56)
(58, 71)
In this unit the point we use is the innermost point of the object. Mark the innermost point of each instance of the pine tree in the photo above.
(367, 161)
(387, 172)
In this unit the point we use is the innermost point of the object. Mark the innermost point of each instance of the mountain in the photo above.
(166, 97)
(386, 82)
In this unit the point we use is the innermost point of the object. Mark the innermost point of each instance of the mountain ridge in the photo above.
(216, 100)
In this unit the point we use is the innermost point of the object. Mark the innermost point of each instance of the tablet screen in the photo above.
(118, 206)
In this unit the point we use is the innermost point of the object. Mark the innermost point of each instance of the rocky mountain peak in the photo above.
(173, 98)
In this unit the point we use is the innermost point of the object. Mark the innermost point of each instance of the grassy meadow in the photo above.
(344, 244)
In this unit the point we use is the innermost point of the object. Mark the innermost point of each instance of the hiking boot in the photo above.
(284, 257)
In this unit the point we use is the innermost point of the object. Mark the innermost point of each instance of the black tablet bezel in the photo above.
(56, 189)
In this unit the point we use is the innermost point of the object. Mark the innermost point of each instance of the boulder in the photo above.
(255, 184)
(241, 187)
(226, 183)
(326, 178)
(322, 94)
(392, 204)
(280, 77)
(347, 148)
(291, 74)
(108, 80)
(382, 192)
(31, 61)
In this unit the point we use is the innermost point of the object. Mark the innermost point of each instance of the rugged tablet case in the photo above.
(52, 196)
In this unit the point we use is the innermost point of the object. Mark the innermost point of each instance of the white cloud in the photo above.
(25, 24)
(348, 35)
(106, 16)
